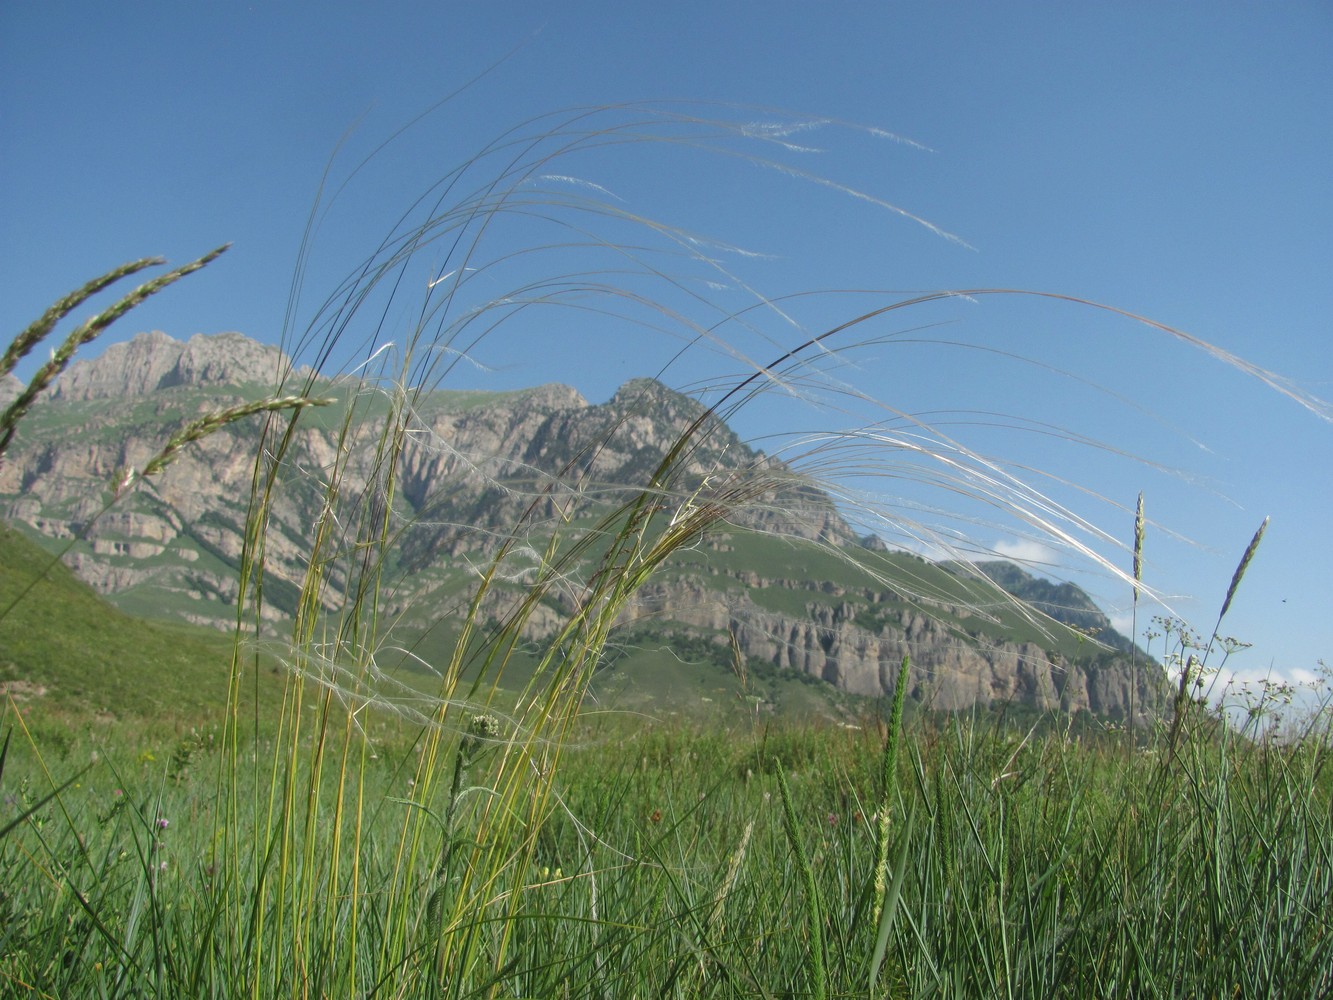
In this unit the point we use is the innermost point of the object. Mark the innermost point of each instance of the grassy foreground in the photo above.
(1015, 867)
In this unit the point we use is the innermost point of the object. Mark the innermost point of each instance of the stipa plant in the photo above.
(338, 635)
(313, 857)
(592, 572)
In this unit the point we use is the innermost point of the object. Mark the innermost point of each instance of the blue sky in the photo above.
(1168, 159)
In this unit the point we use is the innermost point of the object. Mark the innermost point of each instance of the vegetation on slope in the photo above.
(65, 651)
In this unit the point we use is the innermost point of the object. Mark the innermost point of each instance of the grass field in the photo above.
(1016, 867)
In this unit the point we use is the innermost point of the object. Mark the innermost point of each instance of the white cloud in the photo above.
(1027, 550)
(1123, 623)
(1306, 677)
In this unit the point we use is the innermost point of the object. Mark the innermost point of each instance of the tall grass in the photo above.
(490, 844)
(1020, 867)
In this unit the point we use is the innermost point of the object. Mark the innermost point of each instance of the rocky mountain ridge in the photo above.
(152, 362)
(472, 464)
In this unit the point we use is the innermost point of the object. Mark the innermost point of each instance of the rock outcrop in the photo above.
(10, 387)
(950, 670)
(154, 361)
(472, 466)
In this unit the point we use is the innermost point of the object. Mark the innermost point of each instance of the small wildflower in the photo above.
(486, 727)
(482, 730)
(163, 823)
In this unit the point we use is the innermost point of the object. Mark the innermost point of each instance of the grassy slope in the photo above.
(92, 659)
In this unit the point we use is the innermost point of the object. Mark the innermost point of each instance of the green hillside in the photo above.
(67, 652)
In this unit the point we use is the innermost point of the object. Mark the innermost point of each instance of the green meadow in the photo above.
(326, 856)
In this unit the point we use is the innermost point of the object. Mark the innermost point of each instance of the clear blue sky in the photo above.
(1169, 159)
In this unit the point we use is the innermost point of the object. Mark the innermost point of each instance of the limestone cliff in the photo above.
(856, 641)
(471, 465)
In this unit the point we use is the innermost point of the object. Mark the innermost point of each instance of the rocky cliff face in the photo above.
(10, 387)
(950, 670)
(470, 466)
(151, 362)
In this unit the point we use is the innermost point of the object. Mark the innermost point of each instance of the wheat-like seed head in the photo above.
(713, 924)
(38, 331)
(86, 332)
(1240, 569)
(1138, 548)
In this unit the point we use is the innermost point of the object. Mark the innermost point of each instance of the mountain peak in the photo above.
(154, 361)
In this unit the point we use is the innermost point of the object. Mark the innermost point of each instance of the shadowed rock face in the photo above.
(473, 464)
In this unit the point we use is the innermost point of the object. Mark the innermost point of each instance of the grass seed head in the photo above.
(1138, 547)
(1240, 569)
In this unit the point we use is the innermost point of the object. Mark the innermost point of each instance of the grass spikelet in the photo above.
(38, 331)
(86, 332)
(1241, 568)
(1138, 548)
(888, 781)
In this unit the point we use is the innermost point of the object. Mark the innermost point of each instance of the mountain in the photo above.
(782, 588)
(152, 362)
(10, 387)
(1064, 602)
